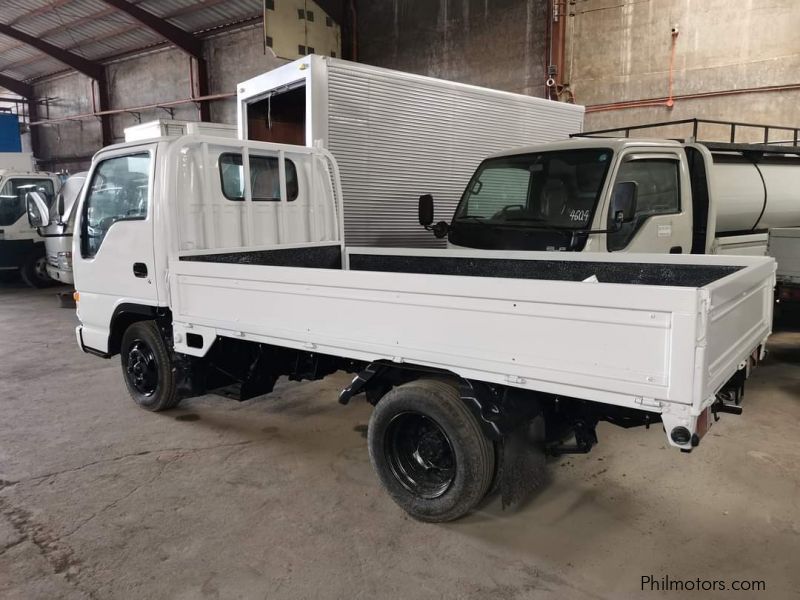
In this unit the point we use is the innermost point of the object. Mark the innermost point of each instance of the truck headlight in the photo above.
(65, 261)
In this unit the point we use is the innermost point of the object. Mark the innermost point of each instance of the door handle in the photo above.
(139, 270)
(676, 250)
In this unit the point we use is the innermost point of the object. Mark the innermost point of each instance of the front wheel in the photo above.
(34, 271)
(429, 451)
(147, 368)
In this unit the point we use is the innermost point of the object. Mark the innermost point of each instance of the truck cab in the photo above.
(57, 229)
(565, 196)
(123, 246)
(21, 248)
(622, 194)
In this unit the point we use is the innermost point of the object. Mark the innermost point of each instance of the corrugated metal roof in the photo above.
(96, 31)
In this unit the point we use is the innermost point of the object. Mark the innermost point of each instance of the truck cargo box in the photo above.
(395, 135)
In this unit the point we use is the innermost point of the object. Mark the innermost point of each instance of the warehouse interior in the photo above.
(277, 495)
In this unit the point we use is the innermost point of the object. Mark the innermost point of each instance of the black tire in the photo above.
(453, 463)
(34, 271)
(147, 368)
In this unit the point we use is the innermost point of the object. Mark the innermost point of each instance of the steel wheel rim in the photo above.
(142, 368)
(40, 269)
(420, 455)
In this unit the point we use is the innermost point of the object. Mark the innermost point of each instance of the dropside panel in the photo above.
(738, 319)
(605, 342)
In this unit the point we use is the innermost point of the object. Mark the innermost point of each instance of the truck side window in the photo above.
(658, 182)
(118, 191)
(264, 178)
(12, 197)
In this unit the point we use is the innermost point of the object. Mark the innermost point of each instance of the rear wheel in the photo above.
(34, 271)
(147, 368)
(429, 451)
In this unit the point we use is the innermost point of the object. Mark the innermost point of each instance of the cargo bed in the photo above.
(653, 332)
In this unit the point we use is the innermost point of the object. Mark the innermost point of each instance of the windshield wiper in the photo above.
(532, 219)
(541, 223)
(474, 219)
(544, 224)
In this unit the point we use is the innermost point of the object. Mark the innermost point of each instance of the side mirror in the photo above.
(38, 215)
(623, 202)
(425, 210)
(60, 207)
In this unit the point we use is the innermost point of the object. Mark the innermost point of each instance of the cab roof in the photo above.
(615, 144)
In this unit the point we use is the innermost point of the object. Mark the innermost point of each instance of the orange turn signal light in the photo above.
(76, 296)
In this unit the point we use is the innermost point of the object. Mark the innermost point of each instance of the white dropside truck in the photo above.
(394, 134)
(688, 196)
(20, 246)
(212, 264)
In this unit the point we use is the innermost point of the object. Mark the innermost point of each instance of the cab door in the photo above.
(663, 219)
(113, 256)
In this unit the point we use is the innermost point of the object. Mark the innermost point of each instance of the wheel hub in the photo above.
(40, 269)
(420, 455)
(142, 368)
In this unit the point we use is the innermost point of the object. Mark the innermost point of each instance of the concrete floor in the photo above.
(275, 497)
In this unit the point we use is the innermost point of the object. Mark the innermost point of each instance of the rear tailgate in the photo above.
(736, 319)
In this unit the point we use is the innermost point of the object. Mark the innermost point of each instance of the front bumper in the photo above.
(59, 275)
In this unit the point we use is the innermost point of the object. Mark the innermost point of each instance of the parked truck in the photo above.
(21, 249)
(393, 133)
(685, 196)
(56, 229)
(216, 264)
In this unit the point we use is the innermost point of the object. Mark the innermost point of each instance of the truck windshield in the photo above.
(548, 190)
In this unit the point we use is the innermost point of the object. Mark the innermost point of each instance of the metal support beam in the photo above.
(104, 103)
(20, 88)
(182, 40)
(33, 115)
(202, 88)
(89, 68)
(349, 25)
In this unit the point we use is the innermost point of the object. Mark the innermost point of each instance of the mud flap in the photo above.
(521, 469)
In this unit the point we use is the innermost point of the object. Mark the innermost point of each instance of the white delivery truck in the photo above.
(394, 134)
(687, 196)
(20, 246)
(209, 263)
(58, 228)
